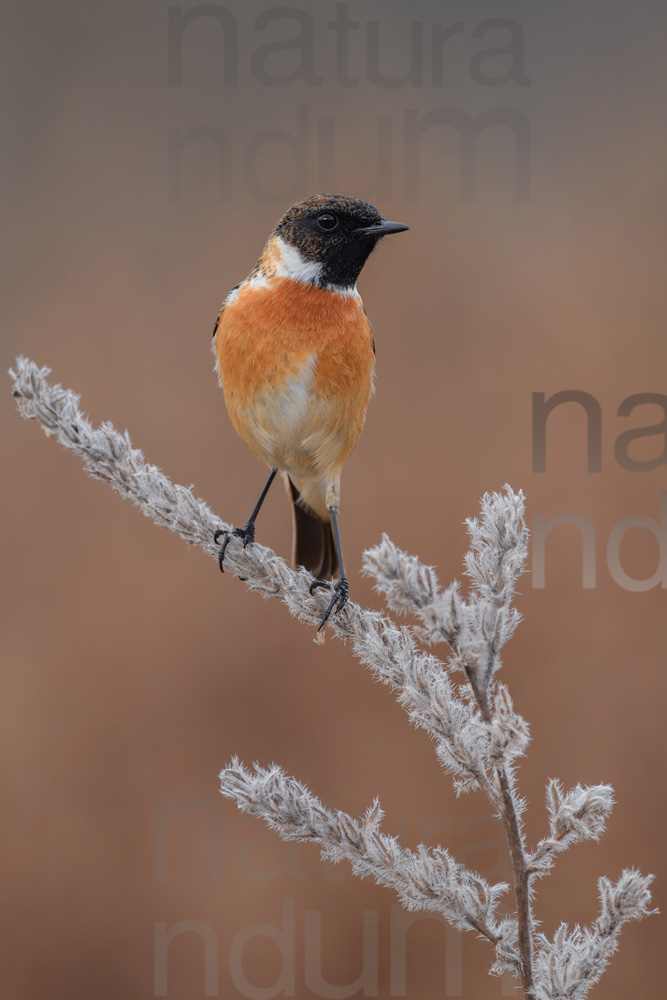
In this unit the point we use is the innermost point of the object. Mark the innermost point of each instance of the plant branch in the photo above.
(478, 734)
(517, 850)
(426, 879)
(109, 456)
(475, 631)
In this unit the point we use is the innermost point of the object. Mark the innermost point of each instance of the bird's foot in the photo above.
(246, 535)
(337, 602)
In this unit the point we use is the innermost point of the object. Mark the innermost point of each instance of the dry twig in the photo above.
(478, 734)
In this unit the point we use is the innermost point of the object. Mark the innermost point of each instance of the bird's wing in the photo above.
(222, 307)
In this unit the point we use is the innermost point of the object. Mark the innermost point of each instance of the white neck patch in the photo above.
(292, 264)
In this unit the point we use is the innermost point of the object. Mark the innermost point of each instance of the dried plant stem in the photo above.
(477, 733)
(504, 801)
(108, 455)
(521, 883)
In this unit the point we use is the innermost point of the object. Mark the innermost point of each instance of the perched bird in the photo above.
(296, 357)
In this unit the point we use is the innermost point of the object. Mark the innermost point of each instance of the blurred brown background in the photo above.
(133, 670)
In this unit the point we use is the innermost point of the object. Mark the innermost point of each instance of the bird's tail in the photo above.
(314, 546)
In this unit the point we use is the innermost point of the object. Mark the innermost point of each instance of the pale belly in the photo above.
(294, 429)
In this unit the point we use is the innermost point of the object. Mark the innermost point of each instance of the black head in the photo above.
(336, 232)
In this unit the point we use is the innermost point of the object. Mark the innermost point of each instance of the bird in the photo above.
(296, 360)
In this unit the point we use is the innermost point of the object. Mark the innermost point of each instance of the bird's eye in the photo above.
(327, 221)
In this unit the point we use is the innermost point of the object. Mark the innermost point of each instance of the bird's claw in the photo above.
(246, 535)
(337, 602)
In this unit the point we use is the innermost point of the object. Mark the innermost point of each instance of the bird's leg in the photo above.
(340, 590)
(246, 534)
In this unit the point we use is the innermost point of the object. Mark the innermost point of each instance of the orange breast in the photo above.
(271, 336)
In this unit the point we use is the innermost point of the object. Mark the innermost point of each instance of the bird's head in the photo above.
(327, 238)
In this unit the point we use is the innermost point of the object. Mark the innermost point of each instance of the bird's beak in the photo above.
(383, 228)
